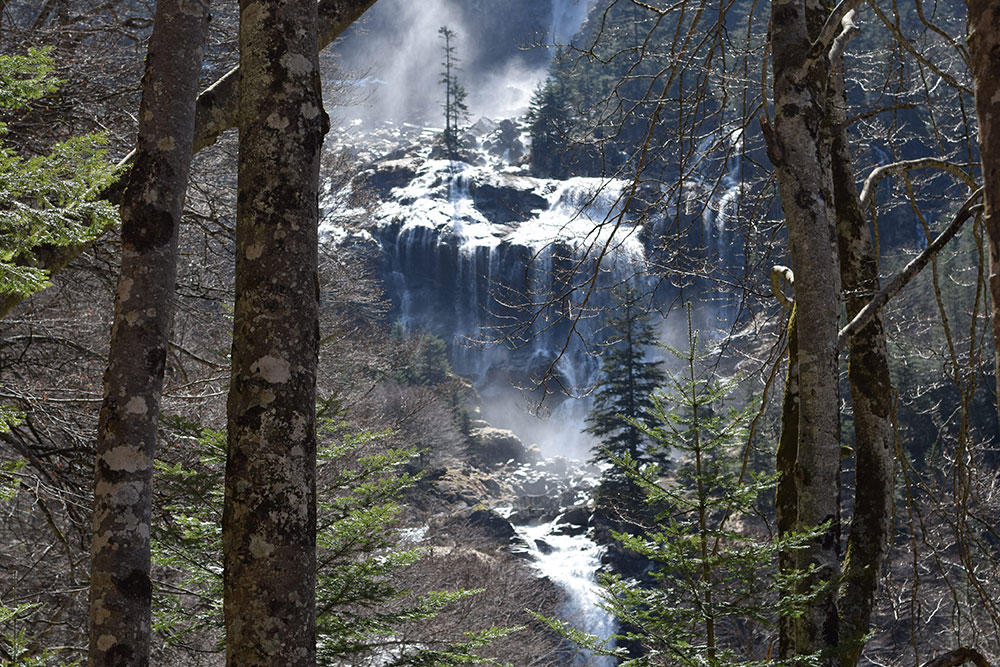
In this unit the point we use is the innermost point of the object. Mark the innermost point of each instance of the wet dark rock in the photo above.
(575, 516)
(505, 204)
(462, 153)
(521, 549)
(389, 174)
(492, 524)
(569, 529)
(525, 517)
(492, 485)
(532, 488)
(543, 546)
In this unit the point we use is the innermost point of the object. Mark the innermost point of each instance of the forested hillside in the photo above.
(528, 332)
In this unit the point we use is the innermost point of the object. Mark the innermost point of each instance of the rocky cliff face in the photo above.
(512, 271)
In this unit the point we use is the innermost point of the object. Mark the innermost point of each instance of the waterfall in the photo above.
(462, 269)
(551, 519)
(567, 17)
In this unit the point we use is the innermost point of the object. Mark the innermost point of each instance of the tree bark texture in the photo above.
(786, 494)
(799, 148)
(216, 113)
(984, 49)
(120, 590)
(269, 519)
(871, 392)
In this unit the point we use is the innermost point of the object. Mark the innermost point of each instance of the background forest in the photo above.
(500, 331)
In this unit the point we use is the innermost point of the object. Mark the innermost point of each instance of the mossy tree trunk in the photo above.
(871, 393)
(786, 493)
(120, 586)
(269, 518)
(984, 49)
(831, 246)
(804, 38)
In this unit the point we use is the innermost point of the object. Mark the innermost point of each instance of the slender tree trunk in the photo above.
(269, 520)
(799, 148)
(984, 48)
(871, 395)
(786, 494)
(216, 112)
(120, 587)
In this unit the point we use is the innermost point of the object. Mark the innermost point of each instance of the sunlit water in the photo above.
(571, 562)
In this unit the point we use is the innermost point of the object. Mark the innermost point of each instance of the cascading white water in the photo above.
(717, 195)
(567, 16)
(570, 562)
(464, 276)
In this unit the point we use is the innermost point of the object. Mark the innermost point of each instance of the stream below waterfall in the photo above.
(571, 562)
(551, 520)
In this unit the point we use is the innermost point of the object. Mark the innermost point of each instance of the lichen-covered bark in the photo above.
(120, 591)
(786, 497)
(219, 104)
(871, 391)
(216, 113)
(984, 49)
(269, 520)
(799, 148)
(870, 386)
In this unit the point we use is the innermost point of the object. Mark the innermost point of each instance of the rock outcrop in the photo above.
(494, 446)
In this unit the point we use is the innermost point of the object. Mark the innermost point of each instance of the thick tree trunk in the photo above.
(216, 113)
(120, 590)
(871, 393)
(799, 148)
(984, 48)
(269, 520)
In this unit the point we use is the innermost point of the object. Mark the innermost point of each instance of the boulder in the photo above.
(483, 127)
(569, 529)
(528, 516)
(492, 525)
(505, 141)
(543, 546)
(494, 446)
(575, 516)
(389, 174)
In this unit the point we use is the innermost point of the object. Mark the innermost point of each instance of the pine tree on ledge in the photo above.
(456, 111)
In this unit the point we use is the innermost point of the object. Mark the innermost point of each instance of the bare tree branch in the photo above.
(831, 29)
(969, 208)
(908, 47)
(215, 113)
(879, 173)
(959, 656)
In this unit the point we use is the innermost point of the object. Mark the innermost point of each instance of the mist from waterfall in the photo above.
(567, 17)
(390, 61)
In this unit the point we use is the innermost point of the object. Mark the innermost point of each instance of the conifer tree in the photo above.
(456, 111)
(547, 116)
(628, 378)
(710, 588)
(363, 609)
(46, 199)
